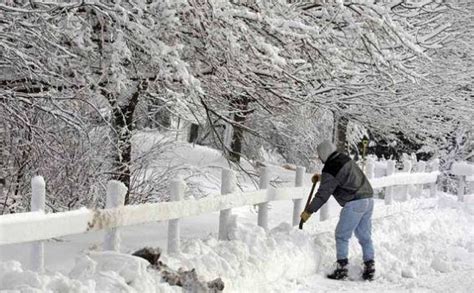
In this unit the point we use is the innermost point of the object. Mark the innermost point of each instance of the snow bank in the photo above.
(95, 272)
(430, 240)
(253, 259)
(427, 241)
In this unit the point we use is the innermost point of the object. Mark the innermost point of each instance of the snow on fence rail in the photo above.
(37, 225)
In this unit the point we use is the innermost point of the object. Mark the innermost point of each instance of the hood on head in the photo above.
(325, 149)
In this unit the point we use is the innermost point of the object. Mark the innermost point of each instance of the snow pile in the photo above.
(424, 242)
(432, 243)
(253, 259)
(95, 272)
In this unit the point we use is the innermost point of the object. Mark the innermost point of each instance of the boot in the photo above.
(369, 270)
(341, 270)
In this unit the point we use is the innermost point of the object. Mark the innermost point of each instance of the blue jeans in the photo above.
(356, 216)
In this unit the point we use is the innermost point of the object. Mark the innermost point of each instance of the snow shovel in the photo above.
(308, 202)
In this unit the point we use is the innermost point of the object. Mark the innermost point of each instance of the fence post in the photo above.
(116, 191)
(433, 186)
(228, 185)
(370, 168)
(298, 203)
(470, 185)
(407, 167)
(263, 207)
(461, 187)
(2, 185)
(389, 189)
(177, 193)
(420, 168)
(38, 194)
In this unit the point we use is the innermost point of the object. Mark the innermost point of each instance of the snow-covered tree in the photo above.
(78, 77)
(441, 106)
(89, 58)
(344, 57)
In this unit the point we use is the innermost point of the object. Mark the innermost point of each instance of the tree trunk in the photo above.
(123, 146)
(241, 106)
(122, 123)
(340, 133)
(193, 133)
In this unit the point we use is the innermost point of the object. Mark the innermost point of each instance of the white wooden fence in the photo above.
(37, 226)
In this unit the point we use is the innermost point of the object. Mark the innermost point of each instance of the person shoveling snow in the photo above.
(342, 178)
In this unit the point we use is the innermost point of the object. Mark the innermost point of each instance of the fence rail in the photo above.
(12, 227)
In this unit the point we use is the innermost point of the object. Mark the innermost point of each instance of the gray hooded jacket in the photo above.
(340, 177)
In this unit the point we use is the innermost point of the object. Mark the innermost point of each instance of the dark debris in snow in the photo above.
(189, 280)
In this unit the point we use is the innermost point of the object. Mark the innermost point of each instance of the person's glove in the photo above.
(305, 216)
(316, 177)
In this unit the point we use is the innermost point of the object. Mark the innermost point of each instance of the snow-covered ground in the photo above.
(423, 245)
